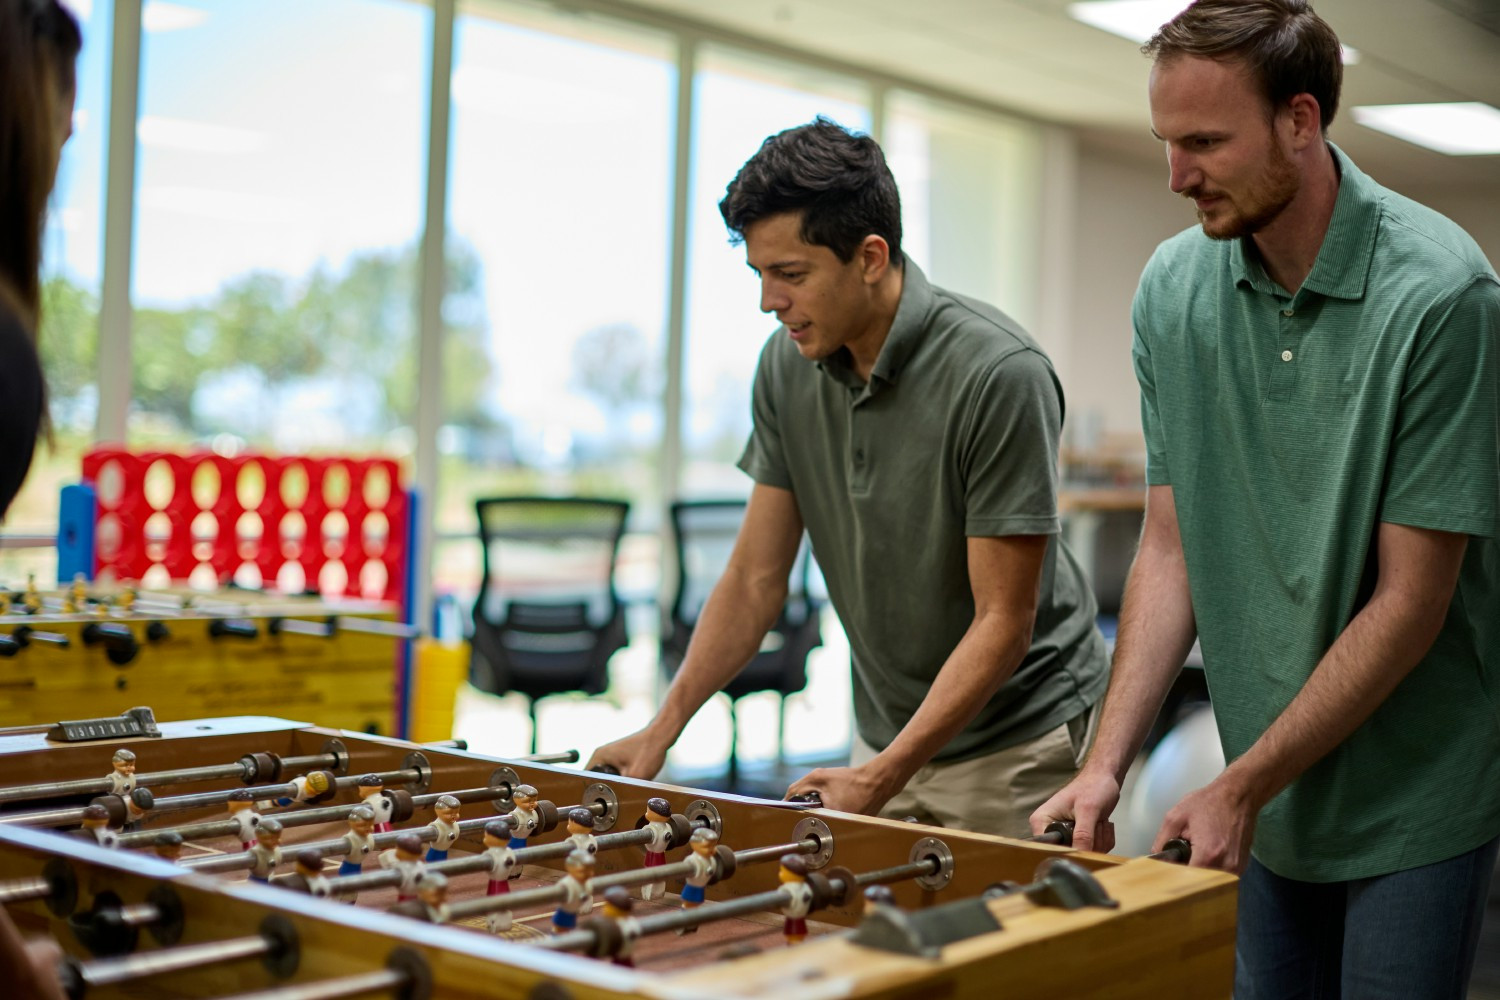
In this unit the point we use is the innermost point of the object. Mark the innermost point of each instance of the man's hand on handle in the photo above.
(639, 755)
(1088, 800)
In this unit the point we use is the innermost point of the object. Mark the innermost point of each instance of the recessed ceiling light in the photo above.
(160, 15)
(1138, 20)
(1467, 129)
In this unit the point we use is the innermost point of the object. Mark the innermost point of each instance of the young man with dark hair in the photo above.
(914, 433)
(1320, 391)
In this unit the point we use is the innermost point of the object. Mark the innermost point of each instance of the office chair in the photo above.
(547, 618)
(704, 532)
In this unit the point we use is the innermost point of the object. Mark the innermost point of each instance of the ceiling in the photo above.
(1030, 57)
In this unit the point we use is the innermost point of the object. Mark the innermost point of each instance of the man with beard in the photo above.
(1319, 374)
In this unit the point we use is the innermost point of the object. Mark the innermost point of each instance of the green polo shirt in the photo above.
(955, 435)
(1289, 428)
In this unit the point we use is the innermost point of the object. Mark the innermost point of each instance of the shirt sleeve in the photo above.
(1443, 470)
(1157, 472)
(1010, 456)
(764, 460)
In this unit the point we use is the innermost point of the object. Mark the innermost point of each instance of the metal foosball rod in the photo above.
(349, 885)
(603, 939)
(290, 817)
(249, 768)
(276, 945)
(405, 977)
(57, 885)
(198, 800)
(331, 848)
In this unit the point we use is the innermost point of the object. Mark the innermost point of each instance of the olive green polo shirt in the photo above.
(1289, 428)
(955, 435)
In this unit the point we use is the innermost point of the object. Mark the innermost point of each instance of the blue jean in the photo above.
(1409, 935)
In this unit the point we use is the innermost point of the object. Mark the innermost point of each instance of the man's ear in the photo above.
(1306, 119)
(874, 258)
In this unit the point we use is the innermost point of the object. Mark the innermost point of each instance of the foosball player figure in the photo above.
(314, 786)
(361, 823)
(266, 851)
(524, 820)
(581, 831)
(96, 826)
(877, 896)
(125, 599)
(122, 777)
(431, 903)
(445, 827)
(406, 858)
(793, 877)
(307, 874)
(168, 846)
(502, 858)
(77, 595)
(575, 885)
(701, 857)
(658, 817)
(617, 906)
(242, 811)
(372, 794)
(32, 599)
(138, 804)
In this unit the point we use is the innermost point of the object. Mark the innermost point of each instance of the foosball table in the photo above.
(256, 857)
(84, 649)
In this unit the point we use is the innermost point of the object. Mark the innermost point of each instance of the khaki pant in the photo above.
(996, 793)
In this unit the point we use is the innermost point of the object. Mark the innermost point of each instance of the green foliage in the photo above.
(358, 325)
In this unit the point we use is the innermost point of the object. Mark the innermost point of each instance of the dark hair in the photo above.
(498, 828)
(794, 863)
(582, 816)
(39, 41)
(1289, 49)
(836, 178)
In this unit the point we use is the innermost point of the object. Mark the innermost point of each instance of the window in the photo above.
(560, 212)
(278, 207)
(740, 101)
(968, 195)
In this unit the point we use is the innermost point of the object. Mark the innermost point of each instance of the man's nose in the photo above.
(1182, 170)
(772, 297)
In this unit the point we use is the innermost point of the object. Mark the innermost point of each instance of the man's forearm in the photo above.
(1378, 648)
(979, 665)
(1156, 632)
(730, 629)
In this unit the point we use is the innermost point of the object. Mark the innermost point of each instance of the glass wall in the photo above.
(969, 184)
(69, 335)
(278, 207)
(739, 101)
(559, 219)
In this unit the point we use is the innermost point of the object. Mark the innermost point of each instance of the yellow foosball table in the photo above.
(84, 651)
(256, 857)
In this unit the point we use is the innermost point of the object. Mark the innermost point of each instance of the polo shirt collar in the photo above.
(907, 330)
(1343, 262)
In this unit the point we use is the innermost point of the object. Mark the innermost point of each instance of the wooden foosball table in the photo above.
(500, 878)
(85, 650)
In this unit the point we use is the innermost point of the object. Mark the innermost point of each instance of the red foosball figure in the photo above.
(793, 876)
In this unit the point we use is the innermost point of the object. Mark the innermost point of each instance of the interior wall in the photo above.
(1124, 211)
(1477, 211)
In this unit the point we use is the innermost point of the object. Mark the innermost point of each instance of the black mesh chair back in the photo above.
(704, 532)
(548, 618)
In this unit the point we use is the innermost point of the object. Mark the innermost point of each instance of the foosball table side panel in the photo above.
(1171, 937)
(345, 680)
